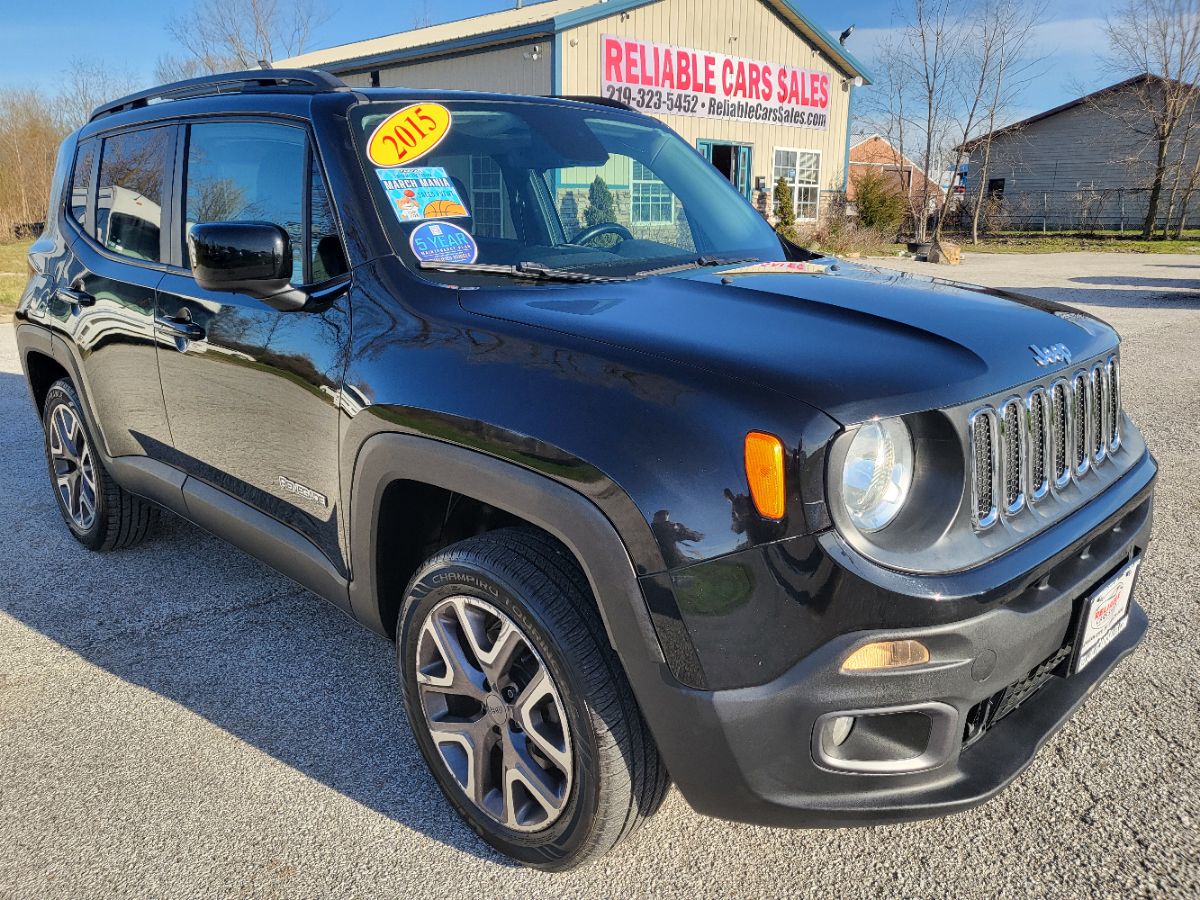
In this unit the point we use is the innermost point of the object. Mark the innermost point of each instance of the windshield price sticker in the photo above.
(658, 78)
(777, 268)
(407, 135)
(422, 193)
(434, 242)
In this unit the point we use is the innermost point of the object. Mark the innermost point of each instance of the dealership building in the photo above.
(756, 86)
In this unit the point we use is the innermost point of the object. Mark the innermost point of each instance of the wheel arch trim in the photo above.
(557, 509)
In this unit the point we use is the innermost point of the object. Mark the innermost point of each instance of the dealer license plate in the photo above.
(1105, 615)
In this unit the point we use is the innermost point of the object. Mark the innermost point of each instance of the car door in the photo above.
(251, 392)
(104, 301)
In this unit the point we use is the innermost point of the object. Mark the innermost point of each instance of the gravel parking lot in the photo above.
(177, 720)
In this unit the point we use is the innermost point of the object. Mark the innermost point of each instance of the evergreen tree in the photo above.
(602, 206)
(785, 207)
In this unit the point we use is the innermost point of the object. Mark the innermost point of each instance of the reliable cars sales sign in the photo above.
(660, 79)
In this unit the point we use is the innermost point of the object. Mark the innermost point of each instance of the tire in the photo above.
(100, 514)
(538, 671)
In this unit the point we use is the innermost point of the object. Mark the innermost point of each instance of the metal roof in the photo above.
(526, 22)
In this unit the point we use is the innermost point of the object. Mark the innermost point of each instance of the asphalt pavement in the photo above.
(178, 721)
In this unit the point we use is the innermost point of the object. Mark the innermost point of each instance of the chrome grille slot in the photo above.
(1113, 368)
(1031, 448)
(1080, 406)
(1098, 413)
(1012, 442)
(1040, 443)
(1060, 431)
(982, 428)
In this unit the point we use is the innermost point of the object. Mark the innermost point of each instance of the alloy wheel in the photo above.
(494, 713)
(74, 467)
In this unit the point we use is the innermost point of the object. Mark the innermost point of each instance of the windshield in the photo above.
(507, 189)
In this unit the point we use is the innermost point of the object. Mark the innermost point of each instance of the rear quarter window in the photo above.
(81, 179)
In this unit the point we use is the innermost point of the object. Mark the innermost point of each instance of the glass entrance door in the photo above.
(731, 160)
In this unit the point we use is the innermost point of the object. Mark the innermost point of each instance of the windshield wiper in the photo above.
(531, 270)
(707, 261)
(698, 263)
(537, 272)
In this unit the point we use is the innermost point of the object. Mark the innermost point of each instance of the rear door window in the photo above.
(129, 193)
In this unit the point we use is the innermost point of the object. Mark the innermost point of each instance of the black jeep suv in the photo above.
(637, 487)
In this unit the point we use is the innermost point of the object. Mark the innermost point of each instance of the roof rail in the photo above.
(300, 81)
(598, 101)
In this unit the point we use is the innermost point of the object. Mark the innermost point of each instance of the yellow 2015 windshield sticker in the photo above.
(409, 134)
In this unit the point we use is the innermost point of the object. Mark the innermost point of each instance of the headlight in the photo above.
(877, 473)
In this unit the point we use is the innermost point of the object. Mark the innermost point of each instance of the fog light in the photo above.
(886, 655)
(839, 729)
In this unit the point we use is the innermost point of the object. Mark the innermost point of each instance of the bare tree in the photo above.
(914, 102)
(29, 142)
(1190, 175)
(1159, 38)
(84, 86)
(934, 35)
(225, 35)
(168, 68)
(423, 18)
(887, 106)
(1001, 51)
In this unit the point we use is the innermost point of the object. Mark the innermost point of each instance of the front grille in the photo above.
(986, 713)
(1022, 450)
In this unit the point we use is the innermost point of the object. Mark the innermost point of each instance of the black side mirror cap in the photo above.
(253, 258)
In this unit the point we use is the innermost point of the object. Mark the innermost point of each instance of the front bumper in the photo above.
(751, 753)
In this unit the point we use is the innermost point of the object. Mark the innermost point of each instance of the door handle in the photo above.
(75, 296)
(184, 328)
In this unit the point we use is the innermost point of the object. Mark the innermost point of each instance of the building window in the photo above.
(486, 197)
(995, 188)
(802, 171)
(653, 202)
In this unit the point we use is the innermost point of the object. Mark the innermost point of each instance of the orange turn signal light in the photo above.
(764, 472)
(886, 655)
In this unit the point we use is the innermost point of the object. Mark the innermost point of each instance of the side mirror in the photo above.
(253, 258)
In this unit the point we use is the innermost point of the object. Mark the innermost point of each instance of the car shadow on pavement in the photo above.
(1116, 296)
(201, 624)
(1138, 281)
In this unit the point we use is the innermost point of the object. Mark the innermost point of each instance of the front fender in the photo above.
(573, 519)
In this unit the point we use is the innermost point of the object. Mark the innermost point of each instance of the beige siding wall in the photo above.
(503, 69)
(1083, 167)
(705, 25)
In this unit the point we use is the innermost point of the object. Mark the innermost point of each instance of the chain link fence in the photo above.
(1082, 209)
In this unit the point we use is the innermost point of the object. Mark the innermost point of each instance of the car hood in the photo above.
(853, 341)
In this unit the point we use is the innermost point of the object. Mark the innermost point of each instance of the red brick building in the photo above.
(873, 153)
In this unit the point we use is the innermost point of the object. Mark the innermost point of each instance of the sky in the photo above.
(129, 35)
